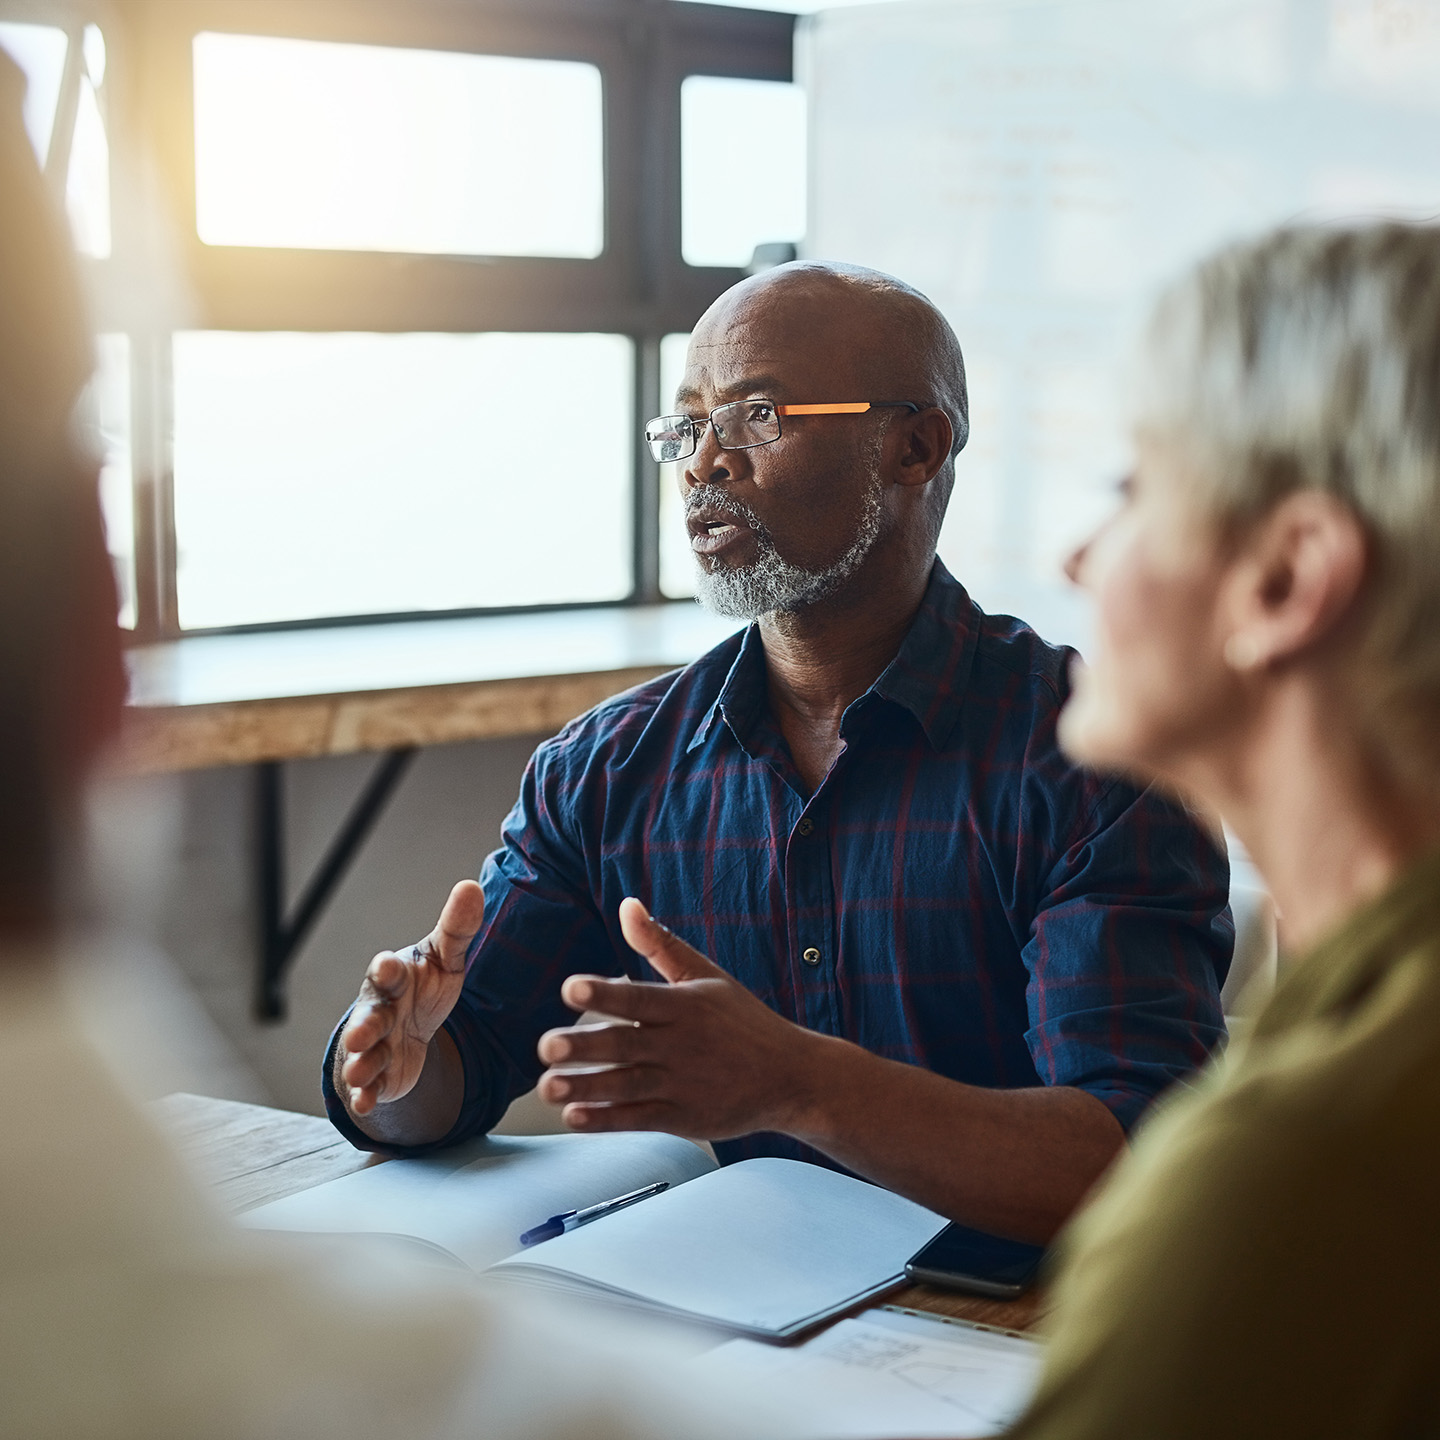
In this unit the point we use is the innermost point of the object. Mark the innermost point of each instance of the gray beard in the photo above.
(772, 584)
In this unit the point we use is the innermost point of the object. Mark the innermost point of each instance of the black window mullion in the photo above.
(638, 287)
(646, 526)
(156, 607)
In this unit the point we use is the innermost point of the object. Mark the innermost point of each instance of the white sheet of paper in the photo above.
(476, 1201)
(886, 1375)
(762, 1245)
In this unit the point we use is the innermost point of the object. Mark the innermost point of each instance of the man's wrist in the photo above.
(815, 1083)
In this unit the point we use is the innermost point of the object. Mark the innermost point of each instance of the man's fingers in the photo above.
(388, 975)
(626, 1084)
(363, 1099)
(459, 920)
(621, 999)
(597, 1045)
(365, 1067)
(648, 1115)
(666, 951)
(369, 1024)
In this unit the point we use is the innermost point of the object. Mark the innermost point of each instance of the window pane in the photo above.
(352, 147)
(107, 412)
(793, 7)
(742, 147)
(354, 474)
(39, 50)
(677, 560)
(87, 187)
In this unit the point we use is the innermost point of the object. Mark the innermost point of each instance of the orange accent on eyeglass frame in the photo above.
(854, 407)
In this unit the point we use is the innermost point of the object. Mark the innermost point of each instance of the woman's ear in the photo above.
(1296, 577)
(927, 438)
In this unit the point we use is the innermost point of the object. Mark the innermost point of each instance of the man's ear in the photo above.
(1296, 577)
(926, 440)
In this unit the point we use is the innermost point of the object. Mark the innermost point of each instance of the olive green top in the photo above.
(1266, 1261)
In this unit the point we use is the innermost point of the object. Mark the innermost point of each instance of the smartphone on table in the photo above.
(962, 1259)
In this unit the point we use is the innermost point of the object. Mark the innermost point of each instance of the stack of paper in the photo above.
(888, 1373)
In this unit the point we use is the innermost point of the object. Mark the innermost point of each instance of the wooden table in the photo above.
(208, 700)
(252, 1154)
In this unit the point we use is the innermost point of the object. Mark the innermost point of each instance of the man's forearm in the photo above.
(428, 1113)
(1013, 1162)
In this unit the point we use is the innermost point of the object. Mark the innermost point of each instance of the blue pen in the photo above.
(571, 1219)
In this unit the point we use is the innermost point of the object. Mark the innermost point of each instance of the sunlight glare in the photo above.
(317, 145)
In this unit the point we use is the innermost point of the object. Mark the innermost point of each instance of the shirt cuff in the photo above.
(334, 1105)
(341, 1118)
(1129, 1106)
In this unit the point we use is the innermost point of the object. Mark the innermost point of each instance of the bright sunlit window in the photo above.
(106, 410)
(793, 7)
(87, 185)
(39, 50)
(361, 474)
(393, 360)
(316, 145)
(742, 147)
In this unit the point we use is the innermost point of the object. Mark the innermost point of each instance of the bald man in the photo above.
(901, 933)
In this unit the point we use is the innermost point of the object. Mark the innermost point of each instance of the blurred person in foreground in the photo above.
(127, 1306)
(1266, 1262)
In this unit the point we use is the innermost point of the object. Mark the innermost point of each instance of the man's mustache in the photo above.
(716, 497)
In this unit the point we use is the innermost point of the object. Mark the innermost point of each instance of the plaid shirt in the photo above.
(955, 894)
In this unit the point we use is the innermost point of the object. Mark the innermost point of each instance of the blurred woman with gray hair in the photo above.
(1267, 1260)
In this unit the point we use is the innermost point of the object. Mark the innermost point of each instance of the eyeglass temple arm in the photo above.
(851, 407)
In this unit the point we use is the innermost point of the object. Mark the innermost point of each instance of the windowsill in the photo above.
(235, 699)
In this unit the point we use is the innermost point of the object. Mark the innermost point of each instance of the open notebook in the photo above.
(765, 1248)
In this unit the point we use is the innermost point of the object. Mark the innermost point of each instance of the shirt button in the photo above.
(811, 956)
(806, 826)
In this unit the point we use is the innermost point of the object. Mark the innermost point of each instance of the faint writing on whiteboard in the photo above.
(1041, 168)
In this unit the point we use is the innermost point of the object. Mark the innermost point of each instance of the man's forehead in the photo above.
(733, 353)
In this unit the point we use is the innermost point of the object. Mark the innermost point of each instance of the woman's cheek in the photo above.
(1121, 695)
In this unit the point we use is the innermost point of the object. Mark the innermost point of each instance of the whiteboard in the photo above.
(1041, 167)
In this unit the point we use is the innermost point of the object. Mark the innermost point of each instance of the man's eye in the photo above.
(762, 413)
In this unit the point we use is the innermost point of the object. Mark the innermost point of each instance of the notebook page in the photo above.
(764, 1246)
(477, 1208)
(888, 1375)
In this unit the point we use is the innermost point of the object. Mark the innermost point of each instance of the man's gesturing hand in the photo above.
(699, 1056)
(403, 1001)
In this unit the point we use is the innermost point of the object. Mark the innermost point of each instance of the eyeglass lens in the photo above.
(738, 425)
(745, 422)
(671, 437)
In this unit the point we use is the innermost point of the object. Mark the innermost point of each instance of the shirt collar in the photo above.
(927, 676)
(929, 673)
(742, 694)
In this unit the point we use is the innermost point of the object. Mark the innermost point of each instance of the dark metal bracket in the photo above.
(281, 937)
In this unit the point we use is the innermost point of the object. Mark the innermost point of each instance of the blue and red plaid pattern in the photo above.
(978, 904)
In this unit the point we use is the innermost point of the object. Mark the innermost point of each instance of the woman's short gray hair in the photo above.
(1310, 358)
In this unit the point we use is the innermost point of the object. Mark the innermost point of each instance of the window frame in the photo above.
(639, 286)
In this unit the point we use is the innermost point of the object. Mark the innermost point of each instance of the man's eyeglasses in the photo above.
(745, 423)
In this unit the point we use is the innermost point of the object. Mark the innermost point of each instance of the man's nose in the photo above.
(706, 466)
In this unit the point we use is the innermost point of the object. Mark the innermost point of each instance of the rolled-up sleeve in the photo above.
(541, 924)
(1129, 946)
